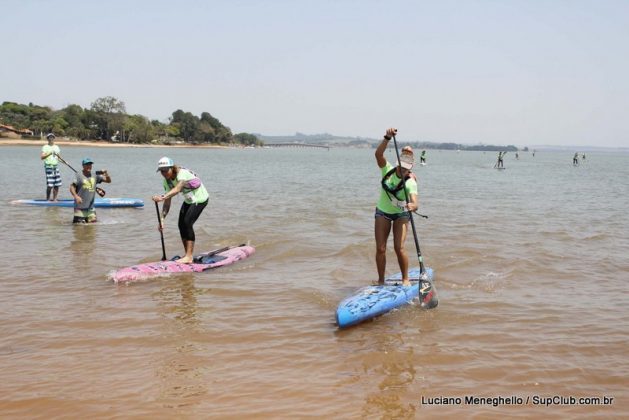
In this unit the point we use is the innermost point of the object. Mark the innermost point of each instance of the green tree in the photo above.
(247, 139)
(187, 124)
(139, 129)
(109, 115)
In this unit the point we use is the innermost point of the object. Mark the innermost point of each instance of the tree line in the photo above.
(107, 119)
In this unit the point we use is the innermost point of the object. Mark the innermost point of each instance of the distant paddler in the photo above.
(49, 154)
(392, 211)
(422, 158)
(500, 163)
(575, 159)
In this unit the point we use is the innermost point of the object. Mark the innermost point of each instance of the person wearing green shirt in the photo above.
(181, 180)
(49, 154)
(392, 210)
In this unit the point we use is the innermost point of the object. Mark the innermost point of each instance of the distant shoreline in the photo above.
(95, 143)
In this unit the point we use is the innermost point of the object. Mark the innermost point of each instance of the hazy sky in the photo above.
(497, 72)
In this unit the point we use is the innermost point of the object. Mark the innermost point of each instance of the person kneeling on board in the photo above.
(83, 189)
(392, 210)
(195, 196)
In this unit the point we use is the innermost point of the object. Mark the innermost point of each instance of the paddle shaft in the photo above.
(216, 251)
(161, 233)
(410, 214)
(66, 163)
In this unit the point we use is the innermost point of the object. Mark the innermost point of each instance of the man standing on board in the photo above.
(83, 189)
(500, 163)
(49, 154)
(392, 211)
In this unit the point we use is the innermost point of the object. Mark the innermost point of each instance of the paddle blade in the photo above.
(427, 294)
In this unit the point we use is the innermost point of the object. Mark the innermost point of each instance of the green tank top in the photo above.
(193, 192)
(389, 204)
(52, 159)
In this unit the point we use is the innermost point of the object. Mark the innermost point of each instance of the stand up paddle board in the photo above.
(212, 259)
(372, 301)
(98, 202)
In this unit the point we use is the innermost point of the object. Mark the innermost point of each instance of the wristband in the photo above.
(387, 138)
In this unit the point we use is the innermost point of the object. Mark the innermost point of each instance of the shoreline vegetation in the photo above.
(106, 124)
(107, 120)
(7, 141)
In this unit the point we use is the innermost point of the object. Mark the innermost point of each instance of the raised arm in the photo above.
(382, 161)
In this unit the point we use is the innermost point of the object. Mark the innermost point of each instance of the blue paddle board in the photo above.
(98, 202)
(372, 301)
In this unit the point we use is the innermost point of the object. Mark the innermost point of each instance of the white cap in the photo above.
(165, 162)
(406, 161)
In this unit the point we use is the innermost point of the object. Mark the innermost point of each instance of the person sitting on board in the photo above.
(392, 212)
(49, 154)
(178, 179)
(83, 189)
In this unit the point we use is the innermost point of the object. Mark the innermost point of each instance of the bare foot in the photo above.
(406, 283)
(184, 260)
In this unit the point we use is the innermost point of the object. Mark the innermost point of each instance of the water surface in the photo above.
(531, 266)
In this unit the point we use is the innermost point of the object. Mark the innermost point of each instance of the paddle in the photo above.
(426, 293)
(199, 258)
(161, 232)
(99, 190)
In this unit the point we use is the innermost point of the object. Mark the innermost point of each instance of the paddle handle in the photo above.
(161, 233)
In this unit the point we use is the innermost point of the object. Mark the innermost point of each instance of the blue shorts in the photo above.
(392, 217)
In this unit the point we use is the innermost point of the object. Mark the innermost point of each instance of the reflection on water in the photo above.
(181, 373)
(83, 240)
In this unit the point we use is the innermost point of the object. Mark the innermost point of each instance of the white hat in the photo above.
(165, 162)
(406, 160)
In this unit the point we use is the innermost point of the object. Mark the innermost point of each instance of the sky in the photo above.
(530, 72)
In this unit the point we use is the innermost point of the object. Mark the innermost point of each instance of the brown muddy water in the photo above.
(531, 265)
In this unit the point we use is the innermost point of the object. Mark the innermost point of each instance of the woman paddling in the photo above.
(392, 212)
(176, 180)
